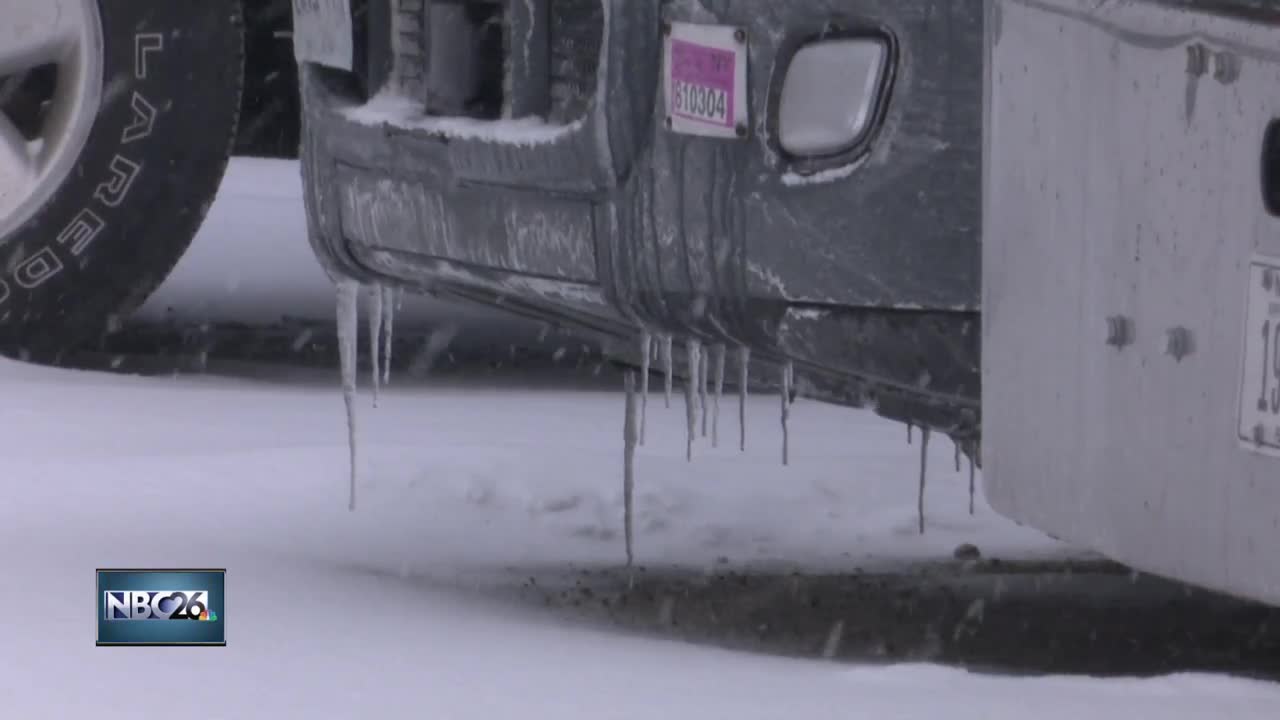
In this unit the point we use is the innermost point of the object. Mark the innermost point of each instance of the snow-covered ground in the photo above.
(383, 612)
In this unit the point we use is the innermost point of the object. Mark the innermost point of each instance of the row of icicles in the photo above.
(705, 371)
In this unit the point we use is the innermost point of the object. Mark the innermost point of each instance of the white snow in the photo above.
(830, 175)
(382, 612)
(389, 108)
(370, 614)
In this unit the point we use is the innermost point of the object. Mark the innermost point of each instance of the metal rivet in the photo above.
(668, 122)
(1226, 68)
(1119, 331)
(740, 35)
(741, 130)
(1197, 59)
(666, 28)
(1179, 343)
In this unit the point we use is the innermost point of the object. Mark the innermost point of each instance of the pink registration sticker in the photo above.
(702, 83)
(705, 80)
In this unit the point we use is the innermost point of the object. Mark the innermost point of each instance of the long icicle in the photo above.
(957, 445)
(718, 351)
(348, 318)
(375, 336)
(646, 345)
(694, 351)
(390, 303)
(973, 451)
(909, 428)
(629, 437)
(703, 378)
(667, 366)
(786, 412)
(924, 466)
(744, 367)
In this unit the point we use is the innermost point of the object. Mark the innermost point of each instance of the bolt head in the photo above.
(741, 130)
(740, 35)
(1226, 68)
(1119, 331)
(1197, 59)
(1178, 343)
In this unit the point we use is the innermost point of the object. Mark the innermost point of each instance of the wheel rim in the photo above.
(51, 58)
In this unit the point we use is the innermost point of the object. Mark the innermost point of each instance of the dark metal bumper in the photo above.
(863, 268)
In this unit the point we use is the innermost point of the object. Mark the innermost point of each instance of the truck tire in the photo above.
(116, 124)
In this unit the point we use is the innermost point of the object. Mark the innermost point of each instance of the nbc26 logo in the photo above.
(161, 606)
(158, 605)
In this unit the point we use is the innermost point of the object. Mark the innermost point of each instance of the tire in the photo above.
(115, 225)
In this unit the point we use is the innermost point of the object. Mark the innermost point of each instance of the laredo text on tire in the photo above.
(116, 121)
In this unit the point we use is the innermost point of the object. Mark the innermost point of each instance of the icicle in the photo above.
(646, 345)
(348, 317)
(973, 451)
(388, 327)
(924, 456)
(718, 351)
(375, 336)
(786, 412)
(909, 428)
(957, 445)
(693, 350)
(703, 378)
(667, 366)
(744, 366)
(629, 437)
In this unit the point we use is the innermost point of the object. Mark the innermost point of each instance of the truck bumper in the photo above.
(1125, 210)
(859, 266)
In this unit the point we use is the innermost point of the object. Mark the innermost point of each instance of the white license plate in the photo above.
(705, 80)
(1260, 384)
(322, 32)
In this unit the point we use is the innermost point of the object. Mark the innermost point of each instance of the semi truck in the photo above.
(1048, 230)
(1044, 228)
